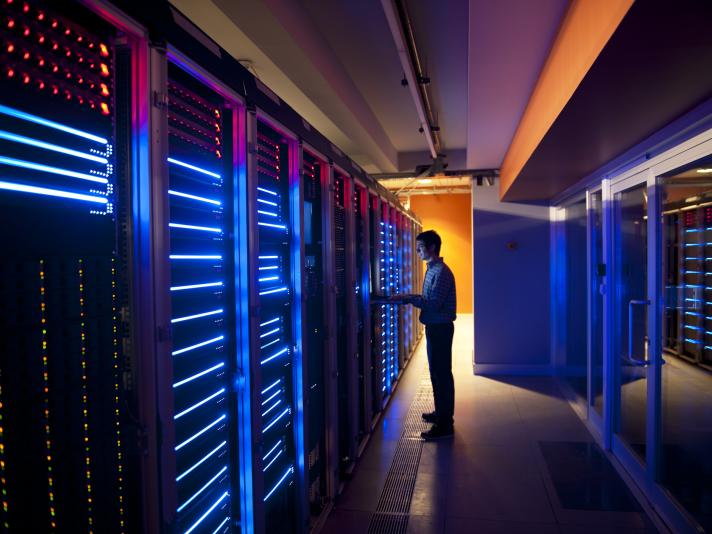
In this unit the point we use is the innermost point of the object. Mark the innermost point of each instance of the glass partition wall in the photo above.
(633, 337)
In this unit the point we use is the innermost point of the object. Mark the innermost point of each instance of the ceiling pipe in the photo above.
(402, 32)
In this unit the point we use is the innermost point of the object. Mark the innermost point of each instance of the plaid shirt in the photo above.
(438, 301)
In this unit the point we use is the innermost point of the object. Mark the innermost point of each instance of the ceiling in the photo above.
(335, 62)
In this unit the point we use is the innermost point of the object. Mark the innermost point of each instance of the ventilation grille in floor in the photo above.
(391, 516)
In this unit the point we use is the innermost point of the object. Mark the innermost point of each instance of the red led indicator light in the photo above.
(25, 79)
(40, 16)
(10, 73)
(10, 23)
(25, 8)
(10, 48)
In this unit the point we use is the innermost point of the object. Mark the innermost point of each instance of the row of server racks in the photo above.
(189, 342)
(688, 282)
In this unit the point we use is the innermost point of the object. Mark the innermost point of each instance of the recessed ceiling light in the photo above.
(428, 180)
(704, 171)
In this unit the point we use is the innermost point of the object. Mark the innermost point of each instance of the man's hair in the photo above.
(430, 238)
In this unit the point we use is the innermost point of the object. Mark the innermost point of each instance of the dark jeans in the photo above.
(439, 338)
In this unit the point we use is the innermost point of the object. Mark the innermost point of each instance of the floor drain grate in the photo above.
(391, 515)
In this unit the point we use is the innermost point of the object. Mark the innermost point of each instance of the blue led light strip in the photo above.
(279, 483)
(207, 513)
(50, 124)
(279, 401)
(270, 291)
(267, 191)
(268, 279)
(51, 170)
(270, 225)
(198, 345)
(202, 489)
(193, 168)
(200, 432)
(193, 197)
(276, 383)
(271, 321)
(279, 453)
(51, 147)
(274, 421)
(271, 343)
(196, 286)
(270, 398)
(22, 188)
(221, 525)
(267, 202)
(201, 461)
(274, 331)
(268, 213)
(196, 316)
(279, 442)
(267, 257)
(198, 375)
(276, 355)
(193, 227)
(199, 404)
(194, 257)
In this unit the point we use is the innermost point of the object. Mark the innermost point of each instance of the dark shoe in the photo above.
(438, 432)
(430, 417)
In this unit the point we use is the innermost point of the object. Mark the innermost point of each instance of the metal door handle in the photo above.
(629, 358)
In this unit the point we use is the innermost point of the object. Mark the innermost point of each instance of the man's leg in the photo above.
(441, 370)
(431, 349)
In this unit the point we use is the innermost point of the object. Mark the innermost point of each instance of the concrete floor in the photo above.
(492, 476)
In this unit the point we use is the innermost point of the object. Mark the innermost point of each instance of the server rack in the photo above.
(319, 340)
(362, 309)
(278, 462)
(68, 459)
(200, 199)
(187, 368)
(688, 333)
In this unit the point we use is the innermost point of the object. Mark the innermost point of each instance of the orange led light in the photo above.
(104, 89)
(104, 69)
(11, 23)
(10, 48)
(103, 50)
(104, 108)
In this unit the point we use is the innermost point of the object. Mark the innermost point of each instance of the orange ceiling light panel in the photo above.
(585, 30)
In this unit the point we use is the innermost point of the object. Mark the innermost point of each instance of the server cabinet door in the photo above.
(202, 299)
(276, 347)
(68, 460)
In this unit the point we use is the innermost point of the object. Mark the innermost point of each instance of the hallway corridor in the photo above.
(521, 461)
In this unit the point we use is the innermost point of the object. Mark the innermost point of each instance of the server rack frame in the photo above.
(141, 256)
(296, 251)
(330, 388)
(364, 301)
(159, 59)
(350, 315)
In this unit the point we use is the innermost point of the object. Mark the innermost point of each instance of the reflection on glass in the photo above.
(685, 455)
(597, 278)
(631, 291)
(574, 368)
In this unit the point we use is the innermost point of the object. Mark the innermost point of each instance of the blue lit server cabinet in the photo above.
(276, 352)
(68, 443)
(202, 298)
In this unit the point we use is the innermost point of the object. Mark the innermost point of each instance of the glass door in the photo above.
(683, 467)
(631, 310)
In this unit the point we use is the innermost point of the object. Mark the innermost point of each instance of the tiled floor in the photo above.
(492, 477)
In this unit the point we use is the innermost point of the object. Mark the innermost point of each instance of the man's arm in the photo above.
(442, 284)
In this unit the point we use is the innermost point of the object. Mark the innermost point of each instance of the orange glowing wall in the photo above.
(450, 216)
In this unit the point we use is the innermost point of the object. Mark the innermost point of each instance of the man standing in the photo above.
(437, 304)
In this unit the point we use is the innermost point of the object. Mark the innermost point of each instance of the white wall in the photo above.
(511, 285)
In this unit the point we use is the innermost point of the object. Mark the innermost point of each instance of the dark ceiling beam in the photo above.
(653, 70)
